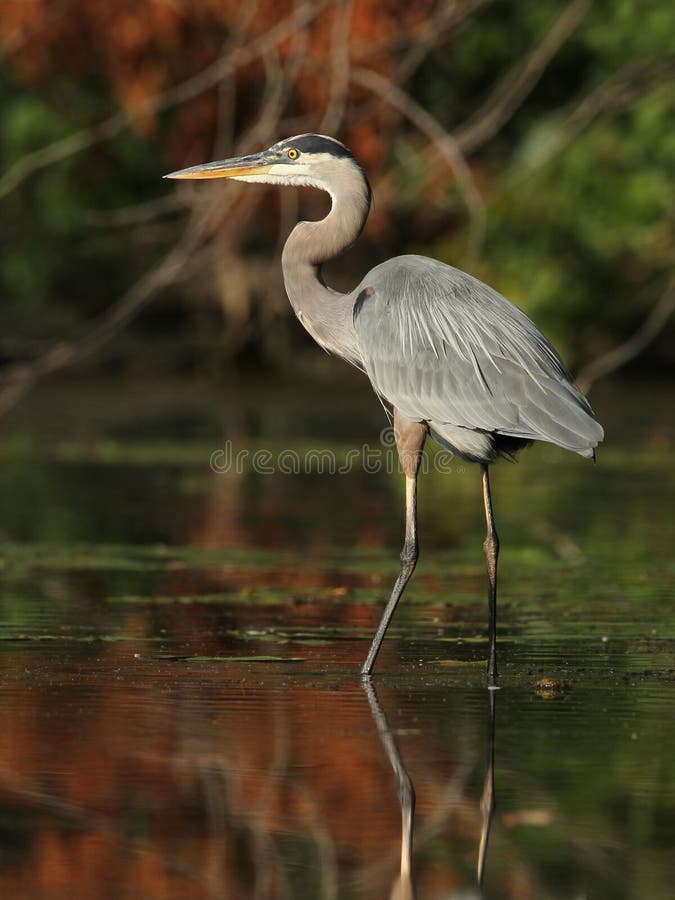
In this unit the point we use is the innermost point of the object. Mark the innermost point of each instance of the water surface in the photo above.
(180, 646)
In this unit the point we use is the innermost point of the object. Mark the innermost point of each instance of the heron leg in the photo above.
(410, 437)
(491, 548)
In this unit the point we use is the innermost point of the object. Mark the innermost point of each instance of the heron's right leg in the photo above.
(410, 437)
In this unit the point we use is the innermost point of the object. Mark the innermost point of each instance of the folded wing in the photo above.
(445, 348)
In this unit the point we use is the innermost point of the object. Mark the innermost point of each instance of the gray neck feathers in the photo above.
(326, 314)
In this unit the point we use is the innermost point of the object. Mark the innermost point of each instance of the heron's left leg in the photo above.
(410, 437)
(491, 548)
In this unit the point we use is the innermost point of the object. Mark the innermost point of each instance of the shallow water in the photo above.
(180, 637)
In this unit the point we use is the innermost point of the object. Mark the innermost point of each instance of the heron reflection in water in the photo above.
(450, 356)
(404, 886)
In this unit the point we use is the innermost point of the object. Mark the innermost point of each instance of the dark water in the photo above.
(180, 637)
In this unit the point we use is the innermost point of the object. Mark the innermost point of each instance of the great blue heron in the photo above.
(451, 356)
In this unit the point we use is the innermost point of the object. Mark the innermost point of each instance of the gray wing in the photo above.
(445, 348)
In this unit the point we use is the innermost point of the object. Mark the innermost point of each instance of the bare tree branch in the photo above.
(340, 65)
(136, 214)
(449, 15)
(227, 86)
(264, 127)
(444, 143)
(618, 92)
(174, 96)
(511, 91)
(20, 377)
(650, 329)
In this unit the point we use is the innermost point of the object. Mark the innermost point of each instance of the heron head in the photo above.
(306, 159)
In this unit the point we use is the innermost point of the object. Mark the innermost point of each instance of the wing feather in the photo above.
(443, 347)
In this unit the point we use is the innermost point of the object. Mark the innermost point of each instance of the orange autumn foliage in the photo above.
(142, 49)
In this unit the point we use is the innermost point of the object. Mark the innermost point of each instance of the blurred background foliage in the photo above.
(529, 143)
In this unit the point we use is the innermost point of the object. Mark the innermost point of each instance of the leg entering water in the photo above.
(409, 556)
(410, 437)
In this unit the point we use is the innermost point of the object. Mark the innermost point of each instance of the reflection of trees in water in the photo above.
(249, 790)
(160, 780)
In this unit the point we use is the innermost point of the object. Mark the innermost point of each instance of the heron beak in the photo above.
(227, 168)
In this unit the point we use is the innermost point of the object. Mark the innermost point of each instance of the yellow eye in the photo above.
(292, 153)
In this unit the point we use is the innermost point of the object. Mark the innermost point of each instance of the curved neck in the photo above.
(321, 310)
(312, 243)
